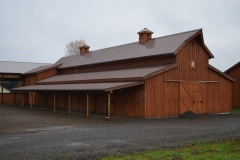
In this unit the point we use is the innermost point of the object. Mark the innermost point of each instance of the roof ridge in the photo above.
(178, 33)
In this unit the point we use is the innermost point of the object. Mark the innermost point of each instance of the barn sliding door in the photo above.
(192, 97)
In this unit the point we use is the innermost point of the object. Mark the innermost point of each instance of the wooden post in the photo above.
(22, 99)
(2, 89)
(31, 99)
(54, 102)
(87, 105)
(69, 103)
(41, 101)
(14, 99)
(109, 104)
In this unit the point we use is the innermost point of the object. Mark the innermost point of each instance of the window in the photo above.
(192, 64)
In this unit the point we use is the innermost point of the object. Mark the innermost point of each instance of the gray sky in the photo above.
(38, 30)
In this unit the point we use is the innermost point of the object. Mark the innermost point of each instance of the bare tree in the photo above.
(72, 48)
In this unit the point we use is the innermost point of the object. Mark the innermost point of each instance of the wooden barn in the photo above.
(153, 77)
(234, 72)
(11, 77)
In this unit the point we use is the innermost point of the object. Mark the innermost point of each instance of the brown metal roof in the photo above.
(79, 87)
(41, 68)
(18, 67)
(114, 74)
(156, 46)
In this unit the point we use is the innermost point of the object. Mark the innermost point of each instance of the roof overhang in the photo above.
(88, 87)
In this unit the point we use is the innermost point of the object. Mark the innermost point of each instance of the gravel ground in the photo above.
(36, 134)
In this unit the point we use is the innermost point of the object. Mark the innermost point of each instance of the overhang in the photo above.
(106, 87)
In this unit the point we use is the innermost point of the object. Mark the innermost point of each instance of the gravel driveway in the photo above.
(48, 135)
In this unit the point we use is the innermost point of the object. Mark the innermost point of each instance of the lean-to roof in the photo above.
(108, 75)
(79, 87)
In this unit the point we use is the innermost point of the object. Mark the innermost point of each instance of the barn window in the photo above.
(192, 64)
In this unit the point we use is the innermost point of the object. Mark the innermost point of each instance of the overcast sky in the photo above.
(38, 30)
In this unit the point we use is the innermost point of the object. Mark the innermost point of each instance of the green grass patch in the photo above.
(235, 110)
(225, 150)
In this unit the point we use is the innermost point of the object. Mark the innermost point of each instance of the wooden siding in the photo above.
(33, 78)
(11, 76)
(128, 102)
(30, 80)
(162, 96)
(121, 65)
(9, 99)
(46, 74)
(235, 73)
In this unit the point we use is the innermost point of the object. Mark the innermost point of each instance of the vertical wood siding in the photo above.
(9, 99)
(128, 102)
(162, 98)
(30, 80)
(235, 73)
(46, 74)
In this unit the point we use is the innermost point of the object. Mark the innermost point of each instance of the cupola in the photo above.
(145, 35)
(84, 49)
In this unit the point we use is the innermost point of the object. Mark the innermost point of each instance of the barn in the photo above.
(153, 77)
(11, 77)
(234, 72)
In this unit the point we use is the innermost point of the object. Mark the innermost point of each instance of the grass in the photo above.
(225, 150)
(235, 110)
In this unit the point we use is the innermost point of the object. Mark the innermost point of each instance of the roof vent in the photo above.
(145, 35)
(84, 49)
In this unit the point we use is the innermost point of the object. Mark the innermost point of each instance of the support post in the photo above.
(69, 103)
(108, 106)
(54, 102)
(14, 100)
(41, 101)
(22, 99)
(2, 89)
(31, 99)
(87, 105)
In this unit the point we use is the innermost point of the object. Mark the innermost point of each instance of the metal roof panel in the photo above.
(18, 67)
(113, 74)
(79, 87)
(155, 46)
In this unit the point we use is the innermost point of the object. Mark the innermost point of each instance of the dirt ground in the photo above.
(42, 134)
(18, 120)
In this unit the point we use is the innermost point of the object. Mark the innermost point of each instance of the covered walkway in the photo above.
(71, 90)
